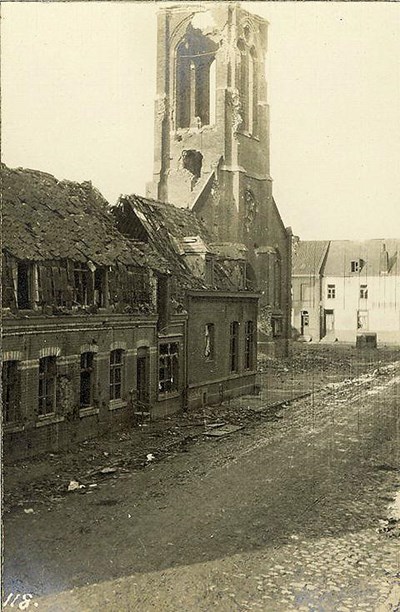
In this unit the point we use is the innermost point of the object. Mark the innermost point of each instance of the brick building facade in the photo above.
(99, 328)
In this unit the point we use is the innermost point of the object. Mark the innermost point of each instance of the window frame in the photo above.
(116, 373)
(234, 347)
(249, 345)
(363, 292)
(87, 368)
(168, 368)
(331, 292)
(209, 341)
(47, 387)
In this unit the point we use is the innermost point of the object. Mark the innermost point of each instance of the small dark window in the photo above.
(249, 345)
(331, 293)
(234, 347)
(100, 287)
(24, 286)
(163, 300)
(363, 292)
(82, 277)
(209, 337)
(11, 392)
(168, 377)
(86, 386)
(355, 266)
(47, 385)
(116, 378)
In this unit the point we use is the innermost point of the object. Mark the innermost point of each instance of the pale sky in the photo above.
(78, 84)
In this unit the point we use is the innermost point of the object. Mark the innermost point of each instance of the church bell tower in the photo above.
(212, 133)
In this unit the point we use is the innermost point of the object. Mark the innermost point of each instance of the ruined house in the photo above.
(212, 145)
(102, 329)
(347, 289)
(211, 287)
(79, 315)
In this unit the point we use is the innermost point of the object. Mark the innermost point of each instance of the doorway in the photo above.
(329, 322)
(304, 323)
(142, 376)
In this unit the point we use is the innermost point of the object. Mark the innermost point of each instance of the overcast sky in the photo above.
(78, 83)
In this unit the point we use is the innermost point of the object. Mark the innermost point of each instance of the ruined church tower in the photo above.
(212, 141)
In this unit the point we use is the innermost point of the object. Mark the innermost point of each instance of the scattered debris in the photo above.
(108, 470)
(29, 511)
(150, 457)
(226, 430)
(74, 485)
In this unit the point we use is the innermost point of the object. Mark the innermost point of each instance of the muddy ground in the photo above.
(287, 512)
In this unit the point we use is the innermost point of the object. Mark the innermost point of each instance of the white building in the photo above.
(359, 292)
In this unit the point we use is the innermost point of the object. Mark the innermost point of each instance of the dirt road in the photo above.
(281, 515)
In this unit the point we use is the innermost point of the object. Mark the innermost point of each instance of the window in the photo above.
(47, 385)
(278, 282)
(249, 345)
(277, 328)
(248, 75)
(363, 292)
(195, 80)
(24, 292)
(331, 292)
(100, 287)
(86, 386)
(209, 337)
(355, 266)
(362, 319)
(11, 392)
(234, 347)
(168, 377)
(116, 364)
(82, 279)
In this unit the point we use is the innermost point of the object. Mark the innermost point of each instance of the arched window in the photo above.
(195, 80)
(248, 87)
(243, 85)
(277, 281)
(253, 92)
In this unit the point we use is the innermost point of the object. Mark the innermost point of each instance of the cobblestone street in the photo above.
(285, 514)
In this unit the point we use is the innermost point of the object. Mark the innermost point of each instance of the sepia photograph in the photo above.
(200, 218)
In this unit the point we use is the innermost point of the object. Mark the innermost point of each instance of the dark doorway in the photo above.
(305, 322)
(142, 376)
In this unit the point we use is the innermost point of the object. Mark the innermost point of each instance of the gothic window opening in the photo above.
(11, 392)
(47, 385)
(278, 282)
(195, 80)
(248, 87)
(86, 380)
